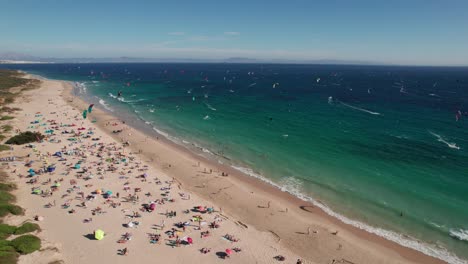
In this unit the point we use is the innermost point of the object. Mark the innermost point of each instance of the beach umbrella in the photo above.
(189, 240)
(99, 234)
(228, 251)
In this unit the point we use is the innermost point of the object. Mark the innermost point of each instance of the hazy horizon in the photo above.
(431, 33)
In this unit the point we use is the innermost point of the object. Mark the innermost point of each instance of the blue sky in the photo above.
(402, 32)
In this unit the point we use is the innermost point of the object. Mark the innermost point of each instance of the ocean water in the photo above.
(378, 147)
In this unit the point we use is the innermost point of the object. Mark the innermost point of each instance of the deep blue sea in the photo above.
(383, 148)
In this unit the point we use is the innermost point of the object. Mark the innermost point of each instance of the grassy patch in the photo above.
(10, 79)
(9, 110)
(7, 128)
(6, 197)
(6, 209)
(26, 244)
(25, 137)
(6, 230)
(8, 255)
(27, 228)
(4, 147)
(7, 186)
(3, 118)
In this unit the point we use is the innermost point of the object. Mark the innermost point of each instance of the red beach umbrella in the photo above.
(228, 251)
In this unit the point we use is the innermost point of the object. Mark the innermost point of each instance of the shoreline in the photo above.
(265, 185)
(253, 202)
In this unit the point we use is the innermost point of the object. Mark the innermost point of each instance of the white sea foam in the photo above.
(441, 139)
(123, 100)
(210, 107)
(360, 109)
(105, 105)
(292, 186)
(460, 234)
(162, 133)
(81, 86)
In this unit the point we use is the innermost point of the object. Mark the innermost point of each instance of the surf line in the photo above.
(360, 109)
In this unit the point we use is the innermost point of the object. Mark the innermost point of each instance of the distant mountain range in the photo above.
(13, 57)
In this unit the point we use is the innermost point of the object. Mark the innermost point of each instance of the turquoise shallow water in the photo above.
(378, 145)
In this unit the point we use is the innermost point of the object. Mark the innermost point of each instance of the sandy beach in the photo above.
(170, 202)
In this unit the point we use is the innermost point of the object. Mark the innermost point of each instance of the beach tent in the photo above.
(99, 234)
(90, 108)
(85, 114)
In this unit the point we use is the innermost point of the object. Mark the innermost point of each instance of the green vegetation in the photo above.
(26, 244)
(25, 137)
(10, 209)
(7, 128)
(8, 254)
(12, 84)
(4, 147)
(27, 228)
(11, 249)
(3, 118)
(10, 79)
(13, 79)
(6, 231)
(7, 186)
(6, 197)
(9, 109)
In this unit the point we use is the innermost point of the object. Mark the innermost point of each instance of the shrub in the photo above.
(26, 244)
(7, 186)
(6, 197)
(8, 255)
(3, 118)
(7, 128)
(27, 228)
(6, 231)
(10, 208)
(25, 137)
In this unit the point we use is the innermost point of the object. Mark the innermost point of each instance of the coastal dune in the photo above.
(267, 221)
